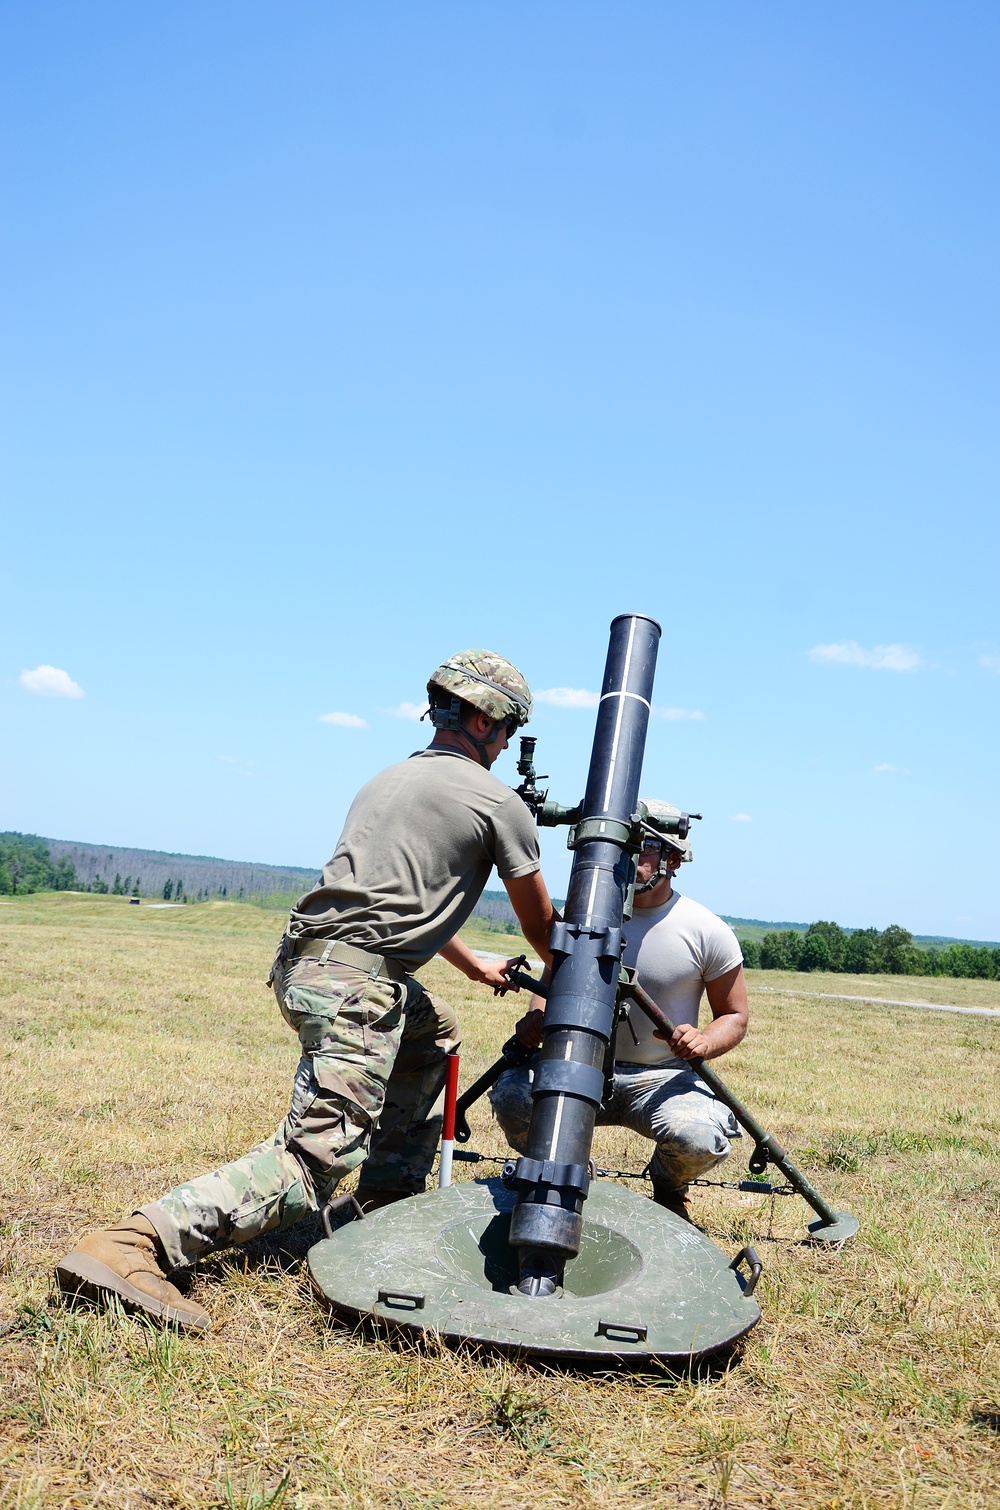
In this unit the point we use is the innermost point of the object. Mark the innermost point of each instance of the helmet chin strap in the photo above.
(662, 871)
(482, 745)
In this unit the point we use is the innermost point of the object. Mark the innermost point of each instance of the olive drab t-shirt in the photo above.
(418, 846)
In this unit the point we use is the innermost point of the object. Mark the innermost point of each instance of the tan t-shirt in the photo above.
(420, 841)
(675, 951)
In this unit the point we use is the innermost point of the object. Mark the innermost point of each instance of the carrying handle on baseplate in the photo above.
(401, 1300)
(750, 1256)
(337, 1204)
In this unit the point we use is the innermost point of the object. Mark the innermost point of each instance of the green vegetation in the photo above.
(26, 866)
(755, 928)
(865, 951)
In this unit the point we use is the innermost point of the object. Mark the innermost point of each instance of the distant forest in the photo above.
(29, 863)
(66, 865)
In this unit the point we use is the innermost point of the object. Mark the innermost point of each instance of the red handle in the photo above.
(450, 1098)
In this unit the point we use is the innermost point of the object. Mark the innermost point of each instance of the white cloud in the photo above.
(741, 818)
(568, 697)
(677, 713)
(414, 711)
(343, 720)
(991, 663)
(229, 759)
(879, 658)
(49, 681)
(885, 769)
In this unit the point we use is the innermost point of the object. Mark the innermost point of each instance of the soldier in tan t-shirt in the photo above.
(680, 952)
(419, 844)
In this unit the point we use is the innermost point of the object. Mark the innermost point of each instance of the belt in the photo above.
(344, 954)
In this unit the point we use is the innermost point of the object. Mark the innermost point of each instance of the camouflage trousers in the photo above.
(673, 1107)
(367, 1086)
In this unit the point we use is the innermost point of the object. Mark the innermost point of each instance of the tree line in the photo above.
(146, 872)
(201, 878)
(866, 951)
(26, 865)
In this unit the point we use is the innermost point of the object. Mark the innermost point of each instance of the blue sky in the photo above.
(339, 337)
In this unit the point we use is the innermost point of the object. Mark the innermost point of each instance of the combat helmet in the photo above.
(484, 680)
(662, 817)
(657, 813)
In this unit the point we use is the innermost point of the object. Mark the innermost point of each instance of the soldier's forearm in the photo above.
(724, 1033)
(462, 957)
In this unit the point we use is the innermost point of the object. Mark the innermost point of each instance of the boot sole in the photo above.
(79, 1275)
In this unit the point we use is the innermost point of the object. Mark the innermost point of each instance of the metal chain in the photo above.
(753, 1187)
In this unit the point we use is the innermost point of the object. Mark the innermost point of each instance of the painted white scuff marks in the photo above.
(556, 1125)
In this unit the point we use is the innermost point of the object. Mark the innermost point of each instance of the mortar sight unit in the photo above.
(549, 1260)
(549, 814)
(545, 813)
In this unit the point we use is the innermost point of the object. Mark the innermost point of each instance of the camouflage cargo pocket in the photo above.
(333, 1006)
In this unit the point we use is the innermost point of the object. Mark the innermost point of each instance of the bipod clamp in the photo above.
(513, 1054)
(512, 970)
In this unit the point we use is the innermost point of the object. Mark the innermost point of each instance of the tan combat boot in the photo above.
(125, 1261)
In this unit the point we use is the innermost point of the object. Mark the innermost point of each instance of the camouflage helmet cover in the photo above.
(487, 682)
(656, 809)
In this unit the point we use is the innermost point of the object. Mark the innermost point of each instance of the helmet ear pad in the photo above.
(447, 711)
(453, 714)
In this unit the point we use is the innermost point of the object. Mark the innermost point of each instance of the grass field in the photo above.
(141, 1047)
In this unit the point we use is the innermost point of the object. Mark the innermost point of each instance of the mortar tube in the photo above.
(448, 1121)
(552, 1177)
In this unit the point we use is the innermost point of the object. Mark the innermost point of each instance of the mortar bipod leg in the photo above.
(513, 1054)
(832, 1226)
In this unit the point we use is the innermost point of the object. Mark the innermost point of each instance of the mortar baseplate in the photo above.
(646, 1285)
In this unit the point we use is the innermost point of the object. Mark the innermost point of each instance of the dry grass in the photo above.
(140, 1048)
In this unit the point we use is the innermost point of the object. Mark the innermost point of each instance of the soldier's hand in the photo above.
(687, 1042)
(529, 1030)
(494, 974)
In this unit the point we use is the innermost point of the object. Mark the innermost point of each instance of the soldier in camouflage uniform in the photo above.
(418, 846)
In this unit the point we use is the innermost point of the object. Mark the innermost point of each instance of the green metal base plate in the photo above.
(646, 1285)
(839, 1231)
